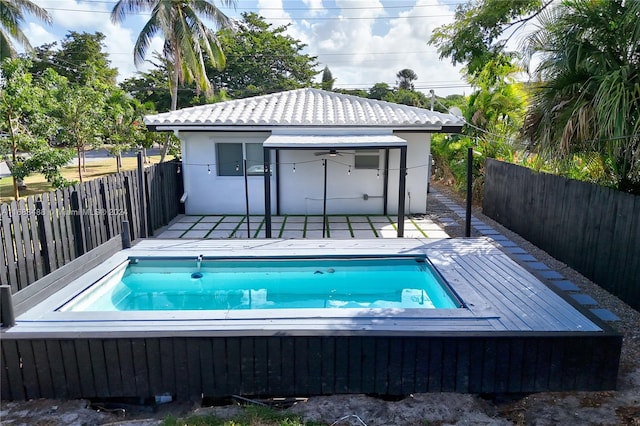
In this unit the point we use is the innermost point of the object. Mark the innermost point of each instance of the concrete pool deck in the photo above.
(295, 226)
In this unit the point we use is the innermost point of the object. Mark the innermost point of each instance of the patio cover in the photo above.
(301, 141)
(334, 141)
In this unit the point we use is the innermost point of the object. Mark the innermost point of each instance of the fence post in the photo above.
(467, 225)
(142, 198)
(78, 228)
(7, 315)
(42, 235)
(129, 205)
(126, 235)
(105, 209)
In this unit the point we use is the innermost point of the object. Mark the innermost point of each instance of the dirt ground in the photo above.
(620, 407)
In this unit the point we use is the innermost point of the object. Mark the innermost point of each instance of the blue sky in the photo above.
(362, 41)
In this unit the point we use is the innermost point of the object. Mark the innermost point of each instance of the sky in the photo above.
(363, 42)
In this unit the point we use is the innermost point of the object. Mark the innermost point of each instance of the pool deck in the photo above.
(523, 328)
(499, 295)
(374, 227)
(338, 226)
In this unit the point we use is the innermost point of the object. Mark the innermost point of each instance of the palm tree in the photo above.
(187, 39)
(587, 98)
(11, 19)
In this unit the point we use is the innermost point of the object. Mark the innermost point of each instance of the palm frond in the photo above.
(11, 20)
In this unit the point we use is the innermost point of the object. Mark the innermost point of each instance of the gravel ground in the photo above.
(621, 407)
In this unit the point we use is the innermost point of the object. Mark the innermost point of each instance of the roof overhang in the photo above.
(270, 128)
(306, 141)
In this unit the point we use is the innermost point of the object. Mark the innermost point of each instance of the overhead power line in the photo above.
(288, 19)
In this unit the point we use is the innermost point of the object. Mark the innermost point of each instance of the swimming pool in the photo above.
(510, 333)
(400, 282)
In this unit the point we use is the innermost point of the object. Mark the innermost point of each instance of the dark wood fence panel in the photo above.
(189, 367)
(593, 229)
(44, 232)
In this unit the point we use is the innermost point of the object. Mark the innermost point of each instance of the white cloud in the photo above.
(365, 43)
(38, 35)
(316, 8)
(361, 41)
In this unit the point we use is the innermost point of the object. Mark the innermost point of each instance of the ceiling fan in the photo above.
(330, 153)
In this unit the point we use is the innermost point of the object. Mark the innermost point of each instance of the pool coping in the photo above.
(479, 316)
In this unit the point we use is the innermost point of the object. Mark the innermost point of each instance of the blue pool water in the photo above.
(210, 284)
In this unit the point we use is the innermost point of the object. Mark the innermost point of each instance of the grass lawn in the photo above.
(37, 184)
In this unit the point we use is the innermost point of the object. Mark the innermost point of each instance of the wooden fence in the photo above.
(41, 233)
(593, 229)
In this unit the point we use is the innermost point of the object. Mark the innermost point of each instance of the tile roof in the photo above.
(303, 107)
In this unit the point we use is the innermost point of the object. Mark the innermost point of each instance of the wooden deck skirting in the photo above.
(518, 337)
(190, 367)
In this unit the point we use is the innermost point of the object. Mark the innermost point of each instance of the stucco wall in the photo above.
(213, 194)
(301, 192)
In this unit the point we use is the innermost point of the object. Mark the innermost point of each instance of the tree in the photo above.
(406, 77)
(477, 34)
(327, 79)
(187, 39)
(262, 59)
(407, 97)
(81, 116)
(153, 87)
(379, 91)
(588, 96)
(498, 106)
(123, 127)
(25, 119)
(80, 59)
(11, 18)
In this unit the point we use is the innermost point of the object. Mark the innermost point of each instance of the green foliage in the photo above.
(475, 37)
(327, 79)
(27, 124)
(353, 92)
(152, 87)
(251, 415)
(406, 77)
(588, 98)
(12, 16)
(261, 59)
(80, 59)
(379, 91)
(188, 40)
(407, 97)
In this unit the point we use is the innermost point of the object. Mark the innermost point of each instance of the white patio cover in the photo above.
(293, 141)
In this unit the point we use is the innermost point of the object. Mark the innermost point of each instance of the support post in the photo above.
(324, 199)
(7, 315)
(467, 225)
(246, 195)
(277, 172)
(402, 187)
(141, 196)
(126, 235)
(385, 185)
(267, 193)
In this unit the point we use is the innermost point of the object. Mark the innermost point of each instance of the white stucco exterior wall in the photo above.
(301, 192)
(418, 150)
(208, 193)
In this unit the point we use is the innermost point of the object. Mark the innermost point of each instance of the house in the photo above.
(323, 152)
